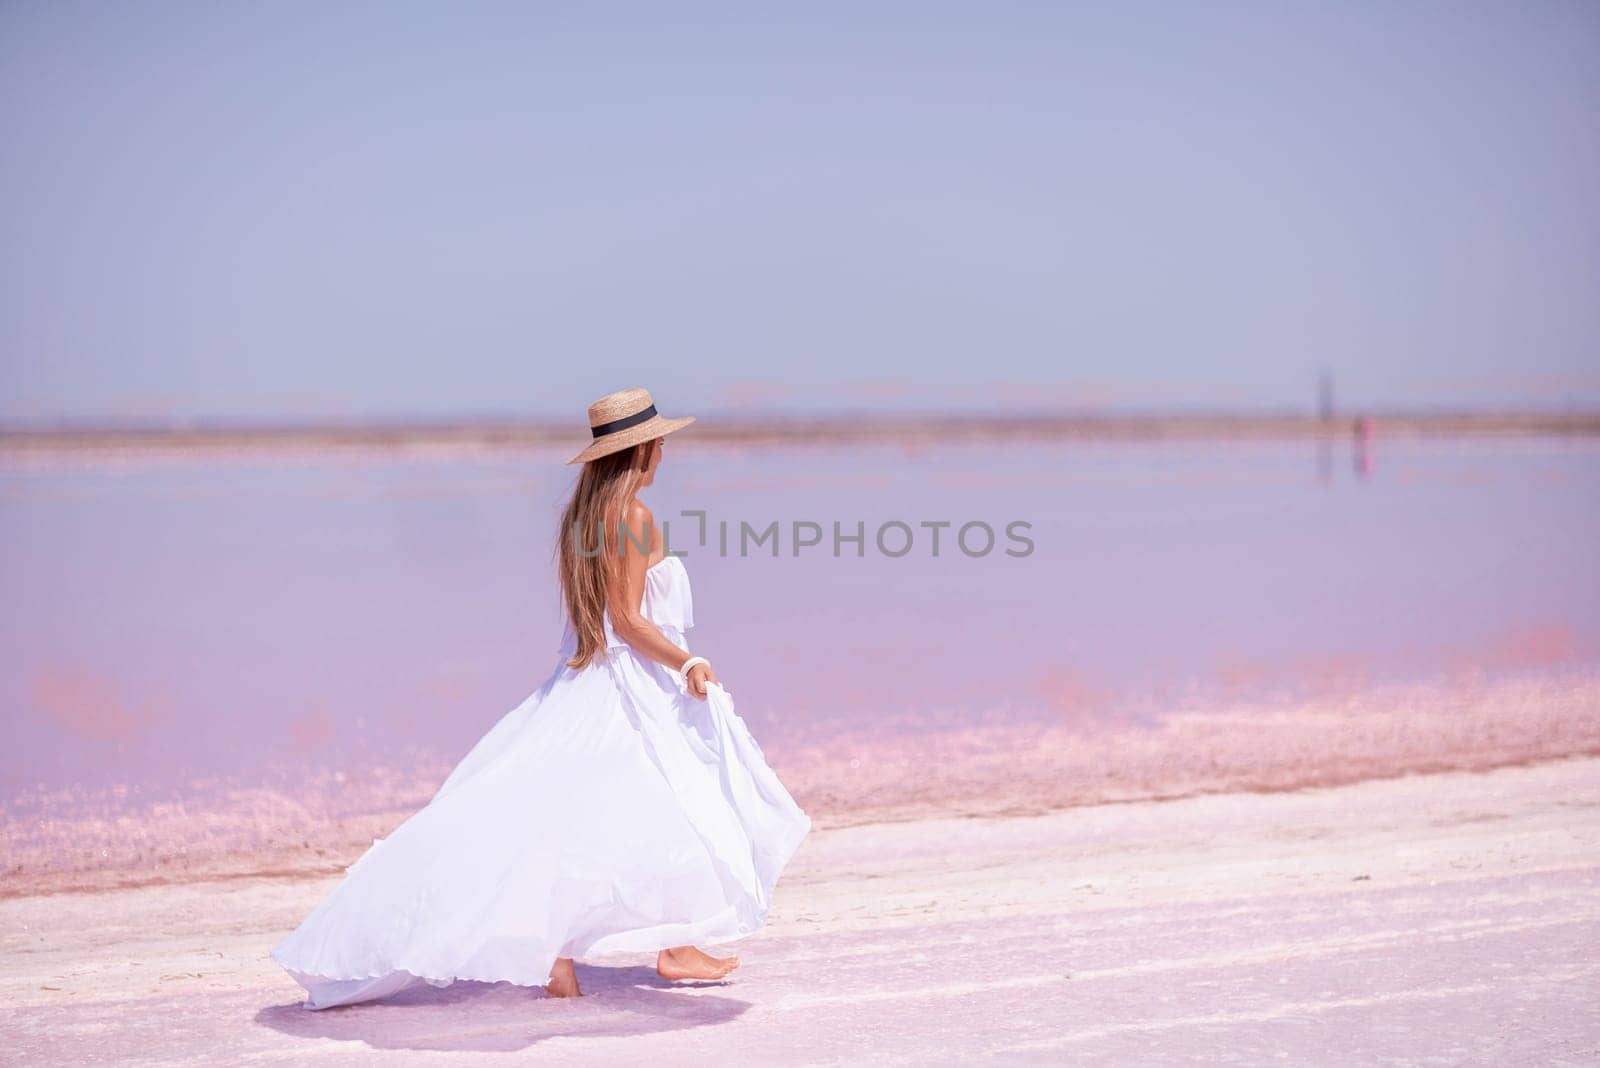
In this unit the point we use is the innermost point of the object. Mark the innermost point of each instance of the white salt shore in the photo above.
(1430, 919)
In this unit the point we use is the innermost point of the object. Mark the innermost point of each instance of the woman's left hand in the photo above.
(697, 678)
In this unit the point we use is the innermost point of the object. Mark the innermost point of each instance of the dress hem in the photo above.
(308, 979)
(305, 977)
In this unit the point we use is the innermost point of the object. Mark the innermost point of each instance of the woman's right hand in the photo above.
(697, 678)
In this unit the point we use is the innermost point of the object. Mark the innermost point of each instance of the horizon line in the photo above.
(774, 429)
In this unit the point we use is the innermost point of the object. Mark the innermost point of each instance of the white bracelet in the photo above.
(691, 662)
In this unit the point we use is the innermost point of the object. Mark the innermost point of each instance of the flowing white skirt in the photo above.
(609, 812)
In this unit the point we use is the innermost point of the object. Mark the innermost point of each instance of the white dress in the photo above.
(609, 812)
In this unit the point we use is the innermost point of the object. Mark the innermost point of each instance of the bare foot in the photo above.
(563, 980)
(687, 962)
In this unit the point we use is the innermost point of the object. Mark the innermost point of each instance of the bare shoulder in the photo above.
(642, 524)
(639, 513)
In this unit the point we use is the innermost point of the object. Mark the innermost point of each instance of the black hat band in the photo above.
(641, 416)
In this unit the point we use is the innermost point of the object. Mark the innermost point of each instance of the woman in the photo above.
(623, 807)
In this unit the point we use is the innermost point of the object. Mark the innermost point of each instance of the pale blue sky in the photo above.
(336, 209)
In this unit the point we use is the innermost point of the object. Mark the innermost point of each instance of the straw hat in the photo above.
(625, 418)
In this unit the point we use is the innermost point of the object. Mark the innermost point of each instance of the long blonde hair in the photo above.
(590, 550)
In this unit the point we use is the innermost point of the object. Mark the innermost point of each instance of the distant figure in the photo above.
(1363, 446)
(623, 807)
(1325, 414)
(1325, 395)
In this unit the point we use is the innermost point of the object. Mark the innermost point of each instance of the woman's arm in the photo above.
(628, 621)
